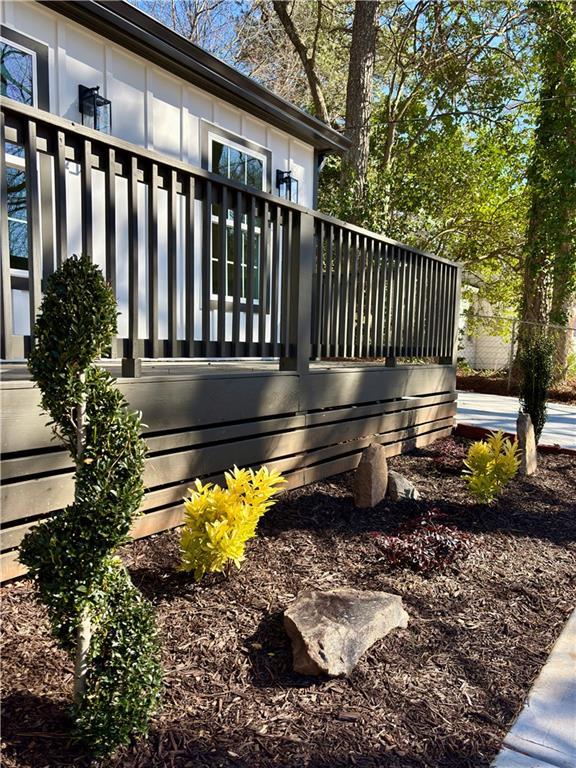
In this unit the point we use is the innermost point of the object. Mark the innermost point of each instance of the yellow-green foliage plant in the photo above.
(219, 521)
(490, 464)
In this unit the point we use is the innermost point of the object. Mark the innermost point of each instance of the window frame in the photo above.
(40, 72)
(212, 133)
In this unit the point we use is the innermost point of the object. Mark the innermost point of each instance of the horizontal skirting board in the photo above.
(177, 403)
(28, 497)
(165, 519)
(199, 426)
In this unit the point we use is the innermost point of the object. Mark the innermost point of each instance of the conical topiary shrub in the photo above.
(96, 612)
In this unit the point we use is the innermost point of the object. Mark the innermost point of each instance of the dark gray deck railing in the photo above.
(313, 286)
(376, 298)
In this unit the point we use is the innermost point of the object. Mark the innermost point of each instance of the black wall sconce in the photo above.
(96, 111)
(287, 186)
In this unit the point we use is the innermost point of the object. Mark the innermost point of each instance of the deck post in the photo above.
(452, 359)
(298, 344)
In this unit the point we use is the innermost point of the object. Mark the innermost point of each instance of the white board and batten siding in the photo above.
(153, 109)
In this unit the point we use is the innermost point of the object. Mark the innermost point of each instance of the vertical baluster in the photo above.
(447, 309)
(360, 294)
(370, 261)
(131, 364)
(434, 309)
(408, 303)
(381, 319)
(190, 253)
(10, 347)
(319, 290)
(426, 308)
(337, 292)
(86, 193)
(222, 271)
(416, 335)
(264, 281)
(353, 303)
(238, 259)
(34, 234)
(153, 184)
(172, 265)
(206, 266)
(345, 293)
(110, 218)
(61, 214)
(250, 275)
(274, 309)
(327, 304)
(285, 310)
(395, 301)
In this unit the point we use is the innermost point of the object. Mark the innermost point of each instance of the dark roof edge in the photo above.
(132, 29)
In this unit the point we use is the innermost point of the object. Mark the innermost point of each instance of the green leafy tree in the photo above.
(550, 269)
(96, 613)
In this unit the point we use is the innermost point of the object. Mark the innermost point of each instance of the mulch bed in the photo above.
(497, 384)
(442, 692)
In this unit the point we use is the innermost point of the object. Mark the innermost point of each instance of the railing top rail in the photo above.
(62, 123)
(54, 121)
(382, 238)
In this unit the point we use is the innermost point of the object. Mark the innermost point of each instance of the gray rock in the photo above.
(527, 444)
(371, 477)
(331, 630)
(400, 488)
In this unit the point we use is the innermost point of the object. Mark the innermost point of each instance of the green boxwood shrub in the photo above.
(95, 611)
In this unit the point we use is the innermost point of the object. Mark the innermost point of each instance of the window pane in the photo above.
(254, 172)
(215, 258)
(16, 74)
(18, 242)
(237, 166)
(220, 159)
(16, 150)
(16, 187)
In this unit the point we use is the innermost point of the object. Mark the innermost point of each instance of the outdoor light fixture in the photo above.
(287, 186)
(96, 111)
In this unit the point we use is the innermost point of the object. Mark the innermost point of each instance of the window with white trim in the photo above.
(18, 72)
(244, 166)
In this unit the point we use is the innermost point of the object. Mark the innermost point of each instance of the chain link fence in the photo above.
(488, 343)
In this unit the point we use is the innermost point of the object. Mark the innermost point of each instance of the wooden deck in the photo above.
(203, 417)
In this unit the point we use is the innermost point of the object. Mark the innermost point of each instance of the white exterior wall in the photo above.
(150, 107)
(157, 111)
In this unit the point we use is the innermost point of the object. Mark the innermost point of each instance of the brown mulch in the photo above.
(497, 384)
(440, 693)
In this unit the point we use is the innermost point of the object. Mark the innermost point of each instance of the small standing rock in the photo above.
(400, 488)
(527, 444)
(371, 478)
(331, 630)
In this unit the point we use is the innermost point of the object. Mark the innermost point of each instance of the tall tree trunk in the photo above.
(84, 628)
(359, 99)
(549, 287)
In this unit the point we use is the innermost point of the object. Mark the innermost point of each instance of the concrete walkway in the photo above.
(497, 412)
(544, 733)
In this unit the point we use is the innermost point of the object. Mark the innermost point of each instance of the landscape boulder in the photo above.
(527, 444)
(331, 630)
(371, 478)
(400, 488)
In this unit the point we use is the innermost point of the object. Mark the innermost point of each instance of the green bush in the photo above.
(490, 464)
(536, 360)
(96, 613)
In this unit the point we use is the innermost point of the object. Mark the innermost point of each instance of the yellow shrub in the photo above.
(219, 521)
(490, 465)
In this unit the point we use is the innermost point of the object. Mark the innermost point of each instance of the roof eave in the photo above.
(125, 24)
